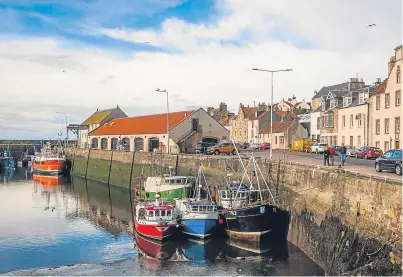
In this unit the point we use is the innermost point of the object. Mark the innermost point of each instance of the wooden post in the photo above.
(278, 178)
(131, 174)
(176, 164)
(74, 158)
(110, 167)
(88, 159)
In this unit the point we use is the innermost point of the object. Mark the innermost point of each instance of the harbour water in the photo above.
(55, 223)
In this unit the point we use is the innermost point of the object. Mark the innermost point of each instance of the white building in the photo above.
(315, 125)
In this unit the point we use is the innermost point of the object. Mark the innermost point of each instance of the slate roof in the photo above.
(147, 124)
(97, 117)
(278, 127)
(325, 90)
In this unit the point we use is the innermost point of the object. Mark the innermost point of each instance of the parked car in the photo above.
(319, 147)
(264, 146)
(368, 152)
(222, 148)
(351, 151)
(337, 149)
(391, 161)
(201, 147)
(254, 145)
(245, 145)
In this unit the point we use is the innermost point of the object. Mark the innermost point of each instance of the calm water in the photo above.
(46, 225)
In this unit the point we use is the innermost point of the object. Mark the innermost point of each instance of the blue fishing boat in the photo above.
(198, 217)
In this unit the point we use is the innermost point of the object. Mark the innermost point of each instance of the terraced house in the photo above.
(385, 108)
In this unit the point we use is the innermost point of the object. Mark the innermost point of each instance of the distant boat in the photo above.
(51, 161)
(155, 220)
(198, 217)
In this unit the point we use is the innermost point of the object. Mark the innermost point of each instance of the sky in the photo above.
(73, 57)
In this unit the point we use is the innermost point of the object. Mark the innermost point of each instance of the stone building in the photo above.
(385, 107)
(97, 119)
(149, 133)
(284, 132)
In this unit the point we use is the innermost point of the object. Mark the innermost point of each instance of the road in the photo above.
(357, 166)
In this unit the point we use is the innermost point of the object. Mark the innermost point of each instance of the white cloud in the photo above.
(204, 68)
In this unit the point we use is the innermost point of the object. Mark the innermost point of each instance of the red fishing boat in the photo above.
(155, 220)
(50, 161)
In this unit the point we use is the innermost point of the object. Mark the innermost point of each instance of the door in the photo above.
(385, 162)
(281, 142)
(397, 144)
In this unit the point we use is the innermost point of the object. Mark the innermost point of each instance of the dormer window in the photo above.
(347, 100)
(334, 103)
(323, 105)
(362, 97)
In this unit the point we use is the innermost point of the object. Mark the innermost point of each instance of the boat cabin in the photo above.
(178, 180)
(155, 213)
(234, 195)
(201, 207)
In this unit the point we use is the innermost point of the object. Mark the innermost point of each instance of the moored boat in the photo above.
(49, 161)
(155, 220)
(250, 210)
(198, 217)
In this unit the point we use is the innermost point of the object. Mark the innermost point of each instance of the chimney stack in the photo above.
(391, 64)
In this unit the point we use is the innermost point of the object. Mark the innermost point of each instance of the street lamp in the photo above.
(67, 132)
(271, 103)
(158, 90)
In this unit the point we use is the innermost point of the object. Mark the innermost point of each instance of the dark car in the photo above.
(390, 161)
(201, 147)
(368, 152)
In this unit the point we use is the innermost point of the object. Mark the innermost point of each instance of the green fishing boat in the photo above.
(169, 187)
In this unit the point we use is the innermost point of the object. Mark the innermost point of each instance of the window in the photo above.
(386, 125)
(150, 213)
(334, 103)
(386, 146)
(347, 100)
(387, 100)
(388, 154)
(398, 74)
(360, 119)
(245, 133)
(377, 144)
(378, 126)
(397, 125)
(343, 121)
(323, 105)
(351, 120)
(351, 140)
(362, 97)
(397, 154)
(359, 140)
(330, 119)
(281, 140)
(343, 139)
(378, 102)
(318, 123)
(169, 213)
(334, 140)
(275, 139)
(162, 213)
(397, 98)
(313, 137)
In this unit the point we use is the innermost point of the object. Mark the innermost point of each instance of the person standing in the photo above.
(343, 151)
(332, 152)
(326, 154)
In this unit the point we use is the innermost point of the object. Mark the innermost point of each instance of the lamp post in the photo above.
(271, 103)
(67, 131)
(158, 90)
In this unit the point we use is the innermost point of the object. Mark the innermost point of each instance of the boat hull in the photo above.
(200, 228)
(52, 167)
(154, 230)
(155, 249)
(254, 223)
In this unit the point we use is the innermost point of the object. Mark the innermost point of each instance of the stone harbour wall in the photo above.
(348, 225)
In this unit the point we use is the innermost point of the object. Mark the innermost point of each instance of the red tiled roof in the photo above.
(278, 127)
(381, 88)
(248, 112)
(281, 114)
(147, 124)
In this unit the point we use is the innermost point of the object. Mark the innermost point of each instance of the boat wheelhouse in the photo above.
(234, 195)
(169, 187)
(155, 220)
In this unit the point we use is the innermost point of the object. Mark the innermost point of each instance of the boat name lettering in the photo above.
(233, 213)
(262, 209)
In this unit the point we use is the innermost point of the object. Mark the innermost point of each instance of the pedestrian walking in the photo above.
(343, 151)
(332, 152)
(326, 155)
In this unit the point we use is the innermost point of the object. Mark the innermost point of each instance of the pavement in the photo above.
(360, 167)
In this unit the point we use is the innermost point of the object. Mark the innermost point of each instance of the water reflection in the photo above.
(51, 222)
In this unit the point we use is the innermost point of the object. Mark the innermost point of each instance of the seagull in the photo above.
(371, 25)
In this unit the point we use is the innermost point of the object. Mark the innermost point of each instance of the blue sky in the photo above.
(57, 55)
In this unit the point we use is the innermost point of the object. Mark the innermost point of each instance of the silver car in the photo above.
(351, 151)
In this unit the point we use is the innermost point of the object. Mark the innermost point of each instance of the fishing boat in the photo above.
(50, 161)
(169, 187)
(155, 220)
(154, 249)
(249, 208)
(197, 216)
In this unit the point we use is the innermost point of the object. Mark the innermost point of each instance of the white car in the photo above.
(351, 151)
(254, 145)
(319, 148)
